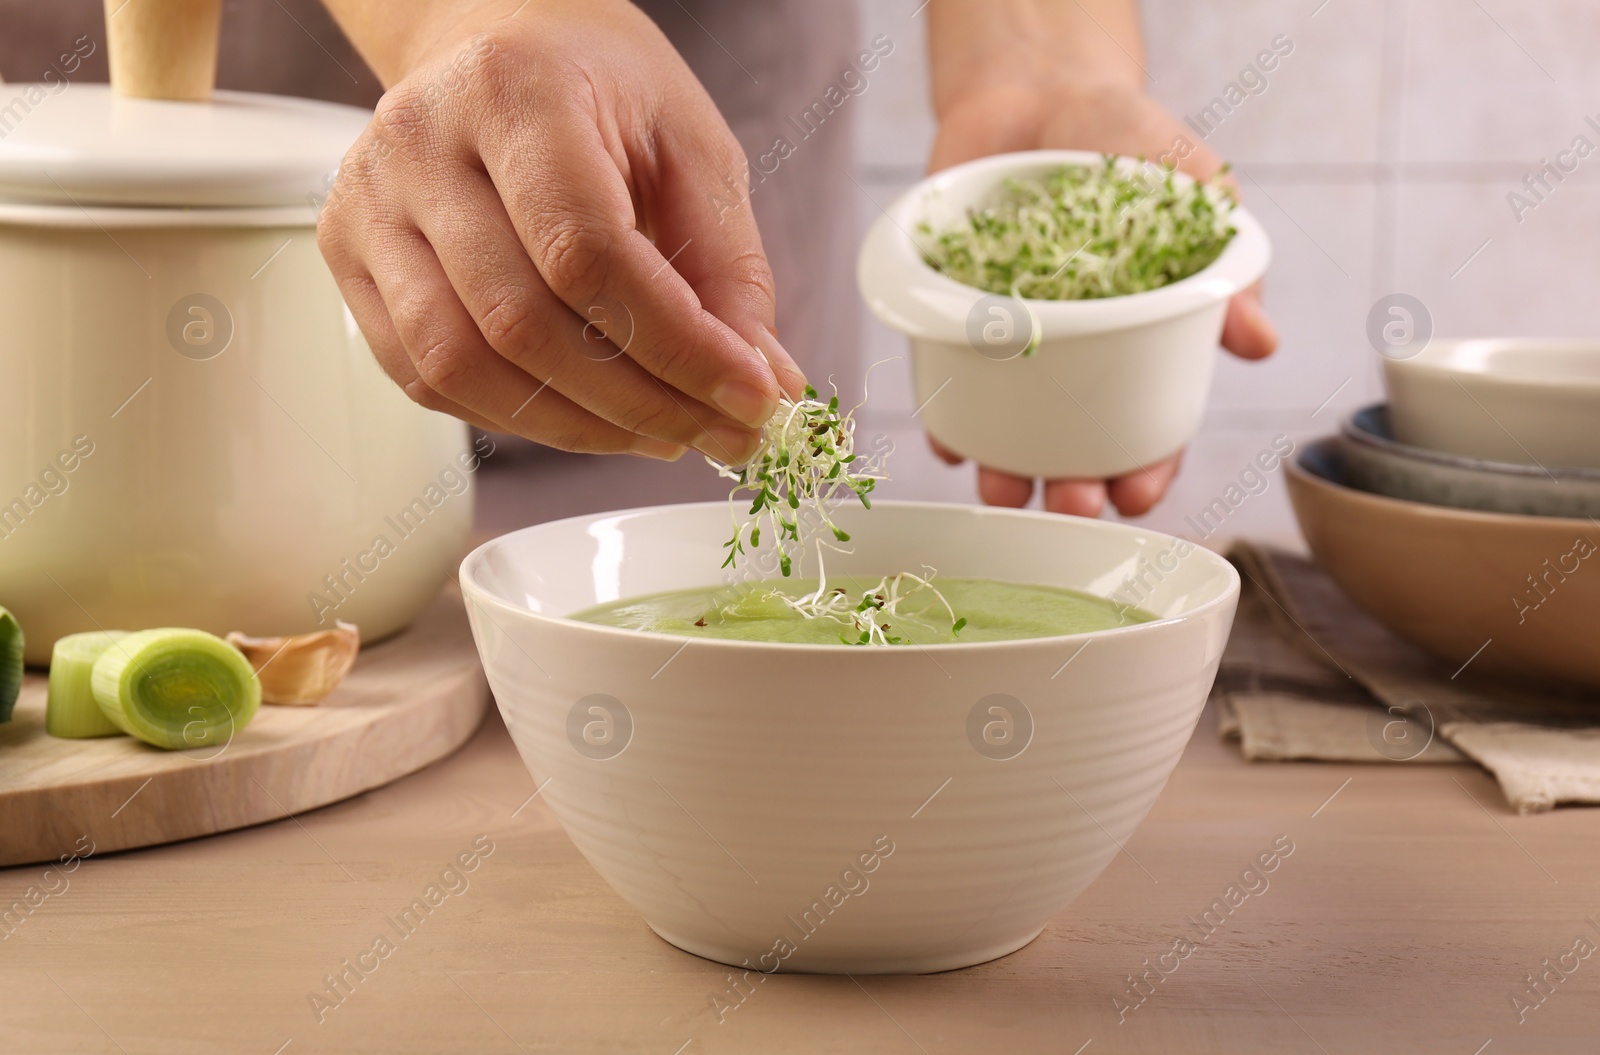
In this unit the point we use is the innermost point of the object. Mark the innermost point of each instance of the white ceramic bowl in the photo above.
(1529, 400)
(1115, 383)
(836, 808)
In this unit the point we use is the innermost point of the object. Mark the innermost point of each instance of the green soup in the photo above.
(994, 611)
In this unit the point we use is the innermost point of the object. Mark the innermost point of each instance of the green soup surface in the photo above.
(994, 611)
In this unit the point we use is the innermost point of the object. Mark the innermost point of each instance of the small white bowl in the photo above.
(1528, 400)
(834, 808)
(1114, 384)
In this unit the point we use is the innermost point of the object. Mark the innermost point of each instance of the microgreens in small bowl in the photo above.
(1081, 232)
(1063, 308)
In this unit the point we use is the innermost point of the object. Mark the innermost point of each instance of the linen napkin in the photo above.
(1308, 675)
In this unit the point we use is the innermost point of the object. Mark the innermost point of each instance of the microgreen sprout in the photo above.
(807, 458)
(1080, 233)
(867, 619)
(873, 616)
(808, 455)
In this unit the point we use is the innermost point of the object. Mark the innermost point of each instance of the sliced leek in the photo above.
(71, 711)
(176, 688)
(10, 663)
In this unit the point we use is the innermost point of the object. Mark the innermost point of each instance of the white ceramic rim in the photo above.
(1328, 446)
(1445, 364)
(1351, 430)
(473, 591)
(906, 293)
(30, 214)
(95, 148)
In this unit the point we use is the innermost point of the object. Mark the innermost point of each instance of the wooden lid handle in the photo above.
(163, 49)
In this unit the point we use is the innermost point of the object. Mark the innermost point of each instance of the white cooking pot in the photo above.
(192, 429)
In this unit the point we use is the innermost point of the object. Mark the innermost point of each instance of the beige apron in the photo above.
(765, 64)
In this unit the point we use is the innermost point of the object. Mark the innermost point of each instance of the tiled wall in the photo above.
(1379, 157)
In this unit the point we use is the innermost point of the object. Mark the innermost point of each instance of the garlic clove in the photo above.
(303, 669)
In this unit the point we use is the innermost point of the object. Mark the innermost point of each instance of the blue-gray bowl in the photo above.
(1377, 463)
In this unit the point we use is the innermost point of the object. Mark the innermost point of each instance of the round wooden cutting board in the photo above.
(409, 701)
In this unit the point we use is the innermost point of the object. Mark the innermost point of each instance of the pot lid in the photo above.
(83, 145)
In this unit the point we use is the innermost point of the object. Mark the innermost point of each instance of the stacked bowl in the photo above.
(1465, 513)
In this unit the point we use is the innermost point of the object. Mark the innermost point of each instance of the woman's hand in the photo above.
(1052, 81)
(545, 231)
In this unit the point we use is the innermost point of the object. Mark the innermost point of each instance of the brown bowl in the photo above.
(1449, 580)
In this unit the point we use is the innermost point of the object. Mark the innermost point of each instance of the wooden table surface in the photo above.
(1406, 918)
